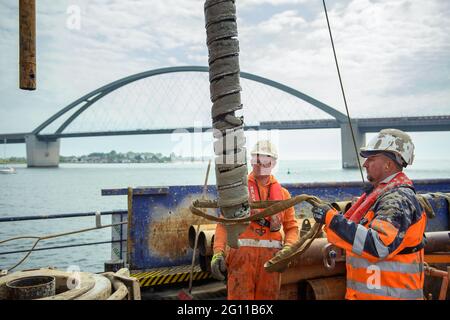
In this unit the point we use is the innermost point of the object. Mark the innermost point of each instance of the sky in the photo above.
(394, 58)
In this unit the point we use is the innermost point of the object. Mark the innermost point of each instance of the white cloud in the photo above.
(389, 53)
(253, 3)
(281, 21)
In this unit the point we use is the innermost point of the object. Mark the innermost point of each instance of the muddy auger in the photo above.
(229, 146)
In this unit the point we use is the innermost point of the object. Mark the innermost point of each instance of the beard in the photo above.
(263, 172)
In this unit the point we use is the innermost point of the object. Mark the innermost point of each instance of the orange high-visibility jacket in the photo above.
(259, 232)
(384, 251)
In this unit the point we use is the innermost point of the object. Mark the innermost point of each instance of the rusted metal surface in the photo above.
(437, 241)
(205, 263)
(167, 236)
(27, 44)
(433, 272)
(193, 230)
(205, 244)
(289, 292)
(326, 289)
(296, 274)
(314, 254)
(28, 288)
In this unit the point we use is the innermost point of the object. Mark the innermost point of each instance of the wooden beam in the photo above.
(27, 29)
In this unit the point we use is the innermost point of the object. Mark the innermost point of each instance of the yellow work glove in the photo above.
(286, 250)
(218, 267)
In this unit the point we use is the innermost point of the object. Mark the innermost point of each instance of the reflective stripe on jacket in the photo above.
(260, 243)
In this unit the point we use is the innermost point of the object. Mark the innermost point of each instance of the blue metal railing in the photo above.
(61, 247)
(62, 216)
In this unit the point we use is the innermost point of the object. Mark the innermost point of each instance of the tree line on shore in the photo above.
(113, 157)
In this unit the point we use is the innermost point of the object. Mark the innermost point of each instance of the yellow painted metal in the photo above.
(169, 275)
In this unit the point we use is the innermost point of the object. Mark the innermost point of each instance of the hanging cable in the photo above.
(343, 93)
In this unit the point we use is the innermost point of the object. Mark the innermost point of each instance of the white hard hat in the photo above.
(394, 141)
(265, 147)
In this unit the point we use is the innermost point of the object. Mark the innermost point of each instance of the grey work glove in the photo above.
(283, 253)
(320, 212)
(218, 267)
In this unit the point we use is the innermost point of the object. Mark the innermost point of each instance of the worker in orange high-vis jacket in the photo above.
(261, 240)
(383, 232)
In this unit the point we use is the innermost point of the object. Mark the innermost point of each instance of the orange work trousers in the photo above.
(247, 279)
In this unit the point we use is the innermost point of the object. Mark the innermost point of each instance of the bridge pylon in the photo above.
(42, 153)
(349, 159)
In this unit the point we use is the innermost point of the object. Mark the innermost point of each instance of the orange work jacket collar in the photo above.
(271, 180)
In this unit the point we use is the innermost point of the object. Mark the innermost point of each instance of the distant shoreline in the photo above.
(113, 157)
(69, 162)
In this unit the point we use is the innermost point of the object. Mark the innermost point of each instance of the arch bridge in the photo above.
(43, 148)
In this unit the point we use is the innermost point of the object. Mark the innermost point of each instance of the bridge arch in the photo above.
(94, 96)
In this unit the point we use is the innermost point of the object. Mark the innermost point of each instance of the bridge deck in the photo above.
(414, 124)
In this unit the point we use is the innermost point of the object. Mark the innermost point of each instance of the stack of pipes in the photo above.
(205, 244)
(437, 271)
(307, 277)
(312, 280)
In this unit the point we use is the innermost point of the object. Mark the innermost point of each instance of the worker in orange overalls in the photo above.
(383, 232)
(261, 240)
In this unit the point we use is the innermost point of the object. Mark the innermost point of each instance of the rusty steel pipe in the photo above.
(193, 230)
(205, 262)
(27, 44)
(28, 288)
(437, 241)
(314, 254)
(433, 272)
(293, 275)
(326, 289)
(288, 292)
(205, 244)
